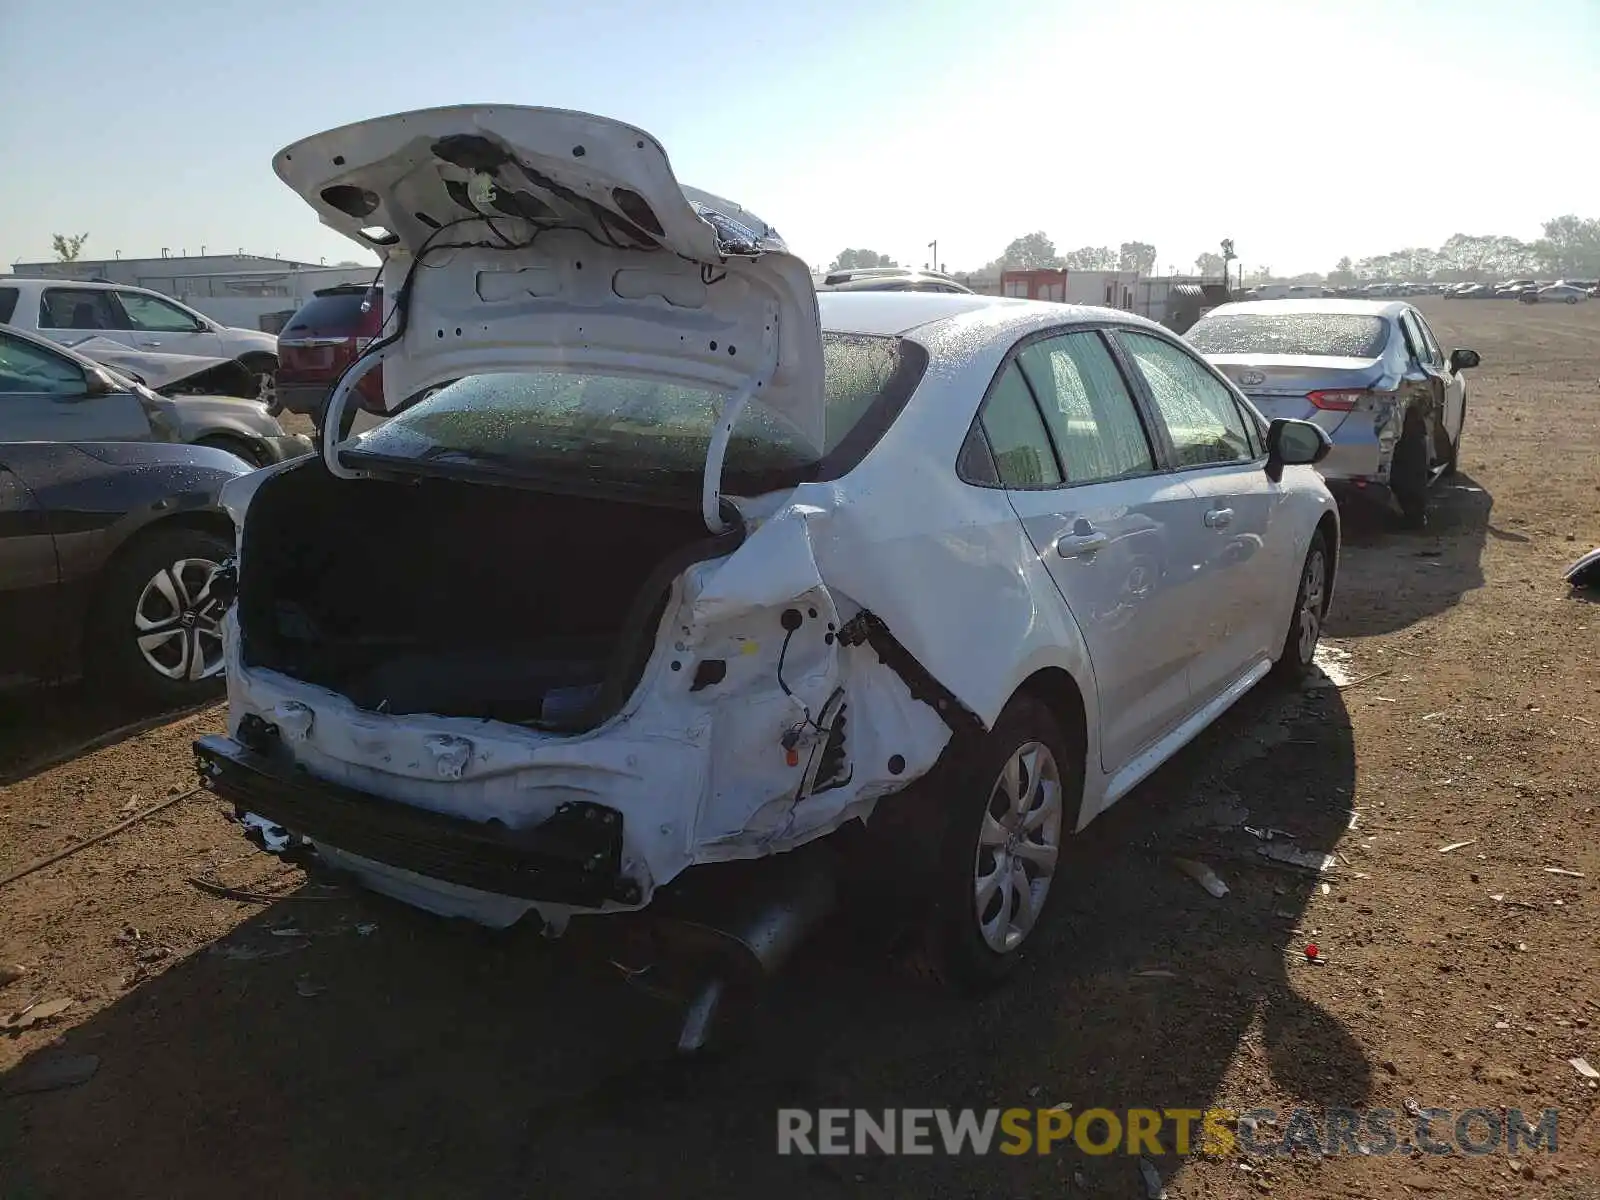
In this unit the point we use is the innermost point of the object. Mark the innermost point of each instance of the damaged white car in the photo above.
(659, 564)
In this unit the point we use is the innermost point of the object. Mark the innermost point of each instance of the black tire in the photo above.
(237, 447)
(128, 589)
(957, 952)
(1305, 622)
(1408, 475)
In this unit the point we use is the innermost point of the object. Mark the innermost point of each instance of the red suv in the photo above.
(320, 341)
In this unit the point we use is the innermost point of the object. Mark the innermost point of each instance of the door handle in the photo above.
(1219, 518)
(149, 343)
(1077, 545)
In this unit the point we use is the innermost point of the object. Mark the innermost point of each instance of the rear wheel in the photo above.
(1305, 623)
(1408, 475)
(1015, 799)
(155, 632)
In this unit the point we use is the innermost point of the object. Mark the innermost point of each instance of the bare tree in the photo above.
(67, 246)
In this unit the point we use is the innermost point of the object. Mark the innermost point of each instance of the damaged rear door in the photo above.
(558, 241)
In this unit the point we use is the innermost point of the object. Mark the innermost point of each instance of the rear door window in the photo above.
(1018, 440)
(1202, 419)
(8, 304)
(1087, 406)
(79, 308)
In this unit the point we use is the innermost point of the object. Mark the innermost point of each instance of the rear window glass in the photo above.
(1339, 335)
(8, 304)
(337, 314)
(653, 432)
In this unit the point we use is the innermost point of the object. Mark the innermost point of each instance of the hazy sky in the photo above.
(1353, 127)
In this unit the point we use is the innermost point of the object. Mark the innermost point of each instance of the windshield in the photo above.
(1342, 335)
(651, 432)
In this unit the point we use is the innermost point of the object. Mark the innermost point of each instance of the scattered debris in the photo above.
(1344, 687)
(1311, 860)
(1580, 720)
(39, 1011)
(1312, 953)
(228, 893)
(11, 972)
(1581, 1065)
(1203, 875)
(287, 931)
(1412, 1108)
(1152, 1181)
(1564, 871)
(53, 1072)
(243, 953)
(1355, 816)
(366, 930)
(1266, 834)
(1326, 890)
(305, 987)
(133, 803)
(1156, 974)
(1433, 716)
(274, 838)
(1457, 845)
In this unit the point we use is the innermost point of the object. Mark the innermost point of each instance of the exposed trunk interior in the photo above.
(461, 599)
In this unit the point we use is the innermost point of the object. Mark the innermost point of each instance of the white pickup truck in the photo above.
(71, 311)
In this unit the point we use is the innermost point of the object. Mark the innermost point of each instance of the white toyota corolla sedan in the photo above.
(661, 563)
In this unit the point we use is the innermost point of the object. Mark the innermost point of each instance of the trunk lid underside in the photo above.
(559, 241)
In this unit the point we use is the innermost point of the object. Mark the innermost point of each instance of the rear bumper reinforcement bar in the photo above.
(573, 857)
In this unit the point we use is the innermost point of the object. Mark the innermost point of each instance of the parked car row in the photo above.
(110, 525)
(73, 311)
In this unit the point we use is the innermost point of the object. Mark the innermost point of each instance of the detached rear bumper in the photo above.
(572, 858)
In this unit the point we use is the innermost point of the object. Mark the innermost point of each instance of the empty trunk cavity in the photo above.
(461, 599)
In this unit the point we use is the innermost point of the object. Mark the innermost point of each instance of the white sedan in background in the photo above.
(671, 565)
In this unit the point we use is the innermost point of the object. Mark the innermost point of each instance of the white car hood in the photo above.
(577, 250)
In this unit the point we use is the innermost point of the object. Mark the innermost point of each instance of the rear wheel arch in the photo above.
(216, 524)
(1328, 527)
(239, 445)
(1057, 690)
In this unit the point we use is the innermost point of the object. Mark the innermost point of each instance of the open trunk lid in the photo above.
(557, 241)
(1280, 384)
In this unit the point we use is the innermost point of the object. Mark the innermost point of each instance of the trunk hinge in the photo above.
(333, 414)
(717, 451)
(869, 628)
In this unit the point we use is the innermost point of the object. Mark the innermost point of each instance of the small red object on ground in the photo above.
(1311, 950)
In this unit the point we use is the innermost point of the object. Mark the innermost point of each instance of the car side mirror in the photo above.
(98, 383)
(1463, 360)
(1294, 444)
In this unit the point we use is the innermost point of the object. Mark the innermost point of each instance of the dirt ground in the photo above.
(319, 1042)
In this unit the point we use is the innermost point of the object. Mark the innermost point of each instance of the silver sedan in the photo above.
(1370, 372)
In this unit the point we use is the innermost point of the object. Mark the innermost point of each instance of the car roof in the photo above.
(1323, 304)
(893, 313)
(56, 281)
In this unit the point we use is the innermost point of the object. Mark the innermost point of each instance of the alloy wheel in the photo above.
(1018, 847)
(178, 624)
(1313, 587)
